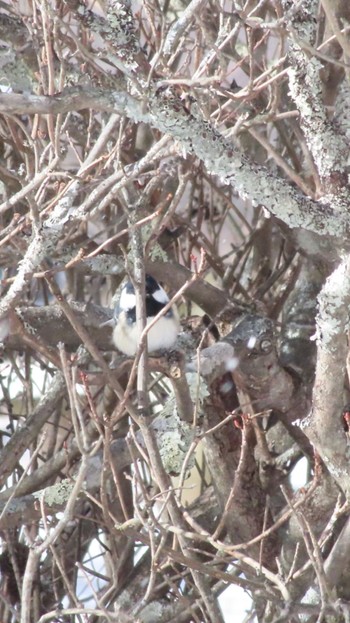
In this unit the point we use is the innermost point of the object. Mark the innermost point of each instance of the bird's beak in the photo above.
(108, 323)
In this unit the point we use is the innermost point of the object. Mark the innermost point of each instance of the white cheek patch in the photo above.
(127, 300)
(161, 296)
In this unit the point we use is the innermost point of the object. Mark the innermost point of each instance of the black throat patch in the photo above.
(153, 308)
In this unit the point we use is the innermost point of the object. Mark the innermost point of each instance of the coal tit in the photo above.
(161, 336)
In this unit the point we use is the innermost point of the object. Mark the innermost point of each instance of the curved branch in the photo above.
(197, 136)
(323, 426)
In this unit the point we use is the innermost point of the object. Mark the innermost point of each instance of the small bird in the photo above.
(164, 332)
